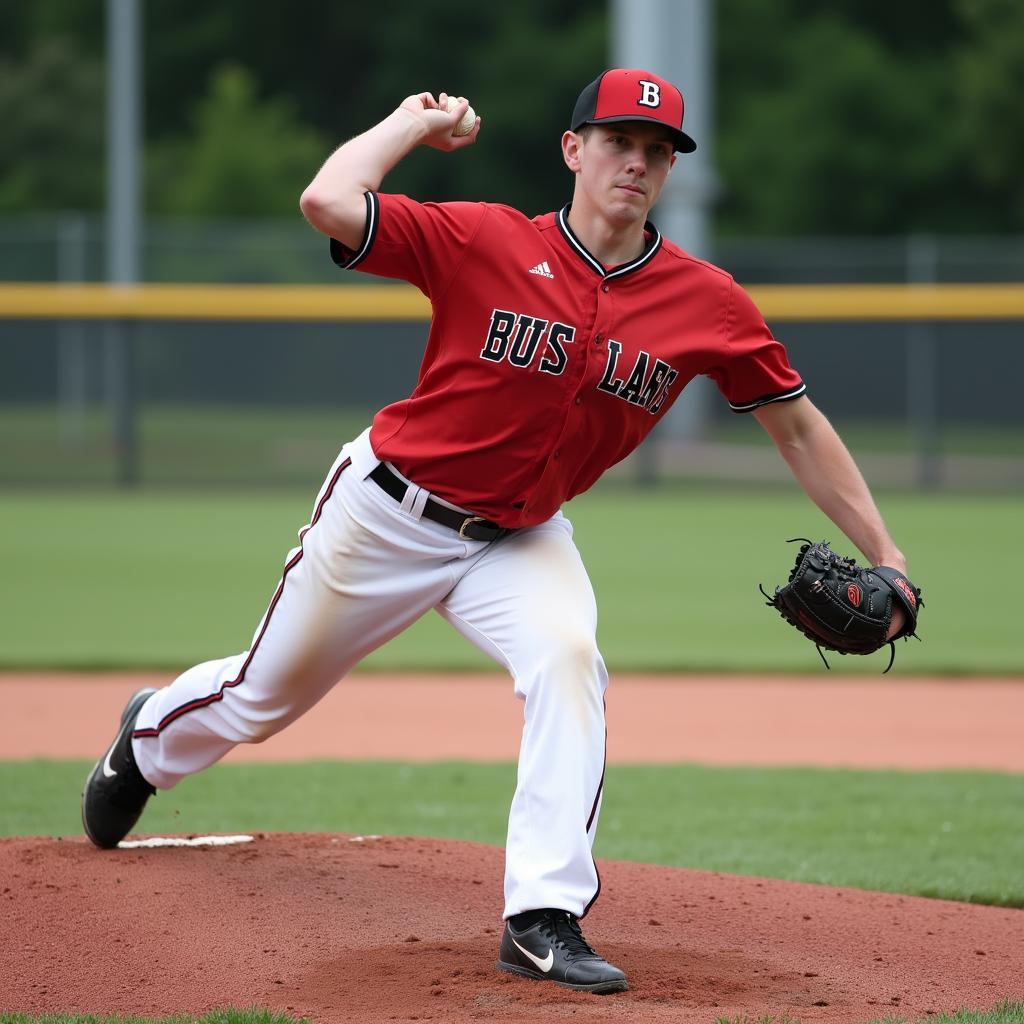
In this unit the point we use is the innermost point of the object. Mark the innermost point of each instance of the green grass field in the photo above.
(954, 835)
(163, 579)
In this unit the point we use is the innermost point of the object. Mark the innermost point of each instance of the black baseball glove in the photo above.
(842, 606)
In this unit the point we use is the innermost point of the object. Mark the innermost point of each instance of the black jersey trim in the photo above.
(341, 253)
(650, 250)
(781, 396)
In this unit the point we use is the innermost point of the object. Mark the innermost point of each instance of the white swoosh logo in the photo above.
(545, 965)
(108, 771)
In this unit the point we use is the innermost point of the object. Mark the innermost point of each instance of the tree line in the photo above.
(853, 117)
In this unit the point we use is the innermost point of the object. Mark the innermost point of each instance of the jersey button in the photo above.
(578, 400)
(597, 339)
(604, 288)
(558, 453)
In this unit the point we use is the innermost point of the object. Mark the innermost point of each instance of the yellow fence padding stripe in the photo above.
(890, 301)
(212, 302)
(403, 302)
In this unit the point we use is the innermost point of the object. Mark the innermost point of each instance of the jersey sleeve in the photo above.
(755, 369)
(422, 243)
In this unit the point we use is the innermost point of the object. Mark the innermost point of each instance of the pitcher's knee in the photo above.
(572, 660)
(579, 651)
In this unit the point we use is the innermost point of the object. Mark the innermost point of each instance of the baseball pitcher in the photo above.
(556, 344)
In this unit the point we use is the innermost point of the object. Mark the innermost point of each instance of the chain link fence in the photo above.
(221, 403)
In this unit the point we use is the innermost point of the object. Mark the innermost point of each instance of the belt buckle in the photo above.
(469, 522)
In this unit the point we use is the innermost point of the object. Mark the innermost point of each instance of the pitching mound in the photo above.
(341, 928)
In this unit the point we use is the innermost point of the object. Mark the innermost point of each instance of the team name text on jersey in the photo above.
(517, 337)
(646, 389)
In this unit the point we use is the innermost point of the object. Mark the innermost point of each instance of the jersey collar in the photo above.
(653, 236)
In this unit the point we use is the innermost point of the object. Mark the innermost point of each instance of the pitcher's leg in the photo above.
(529, 604)
(349, 588)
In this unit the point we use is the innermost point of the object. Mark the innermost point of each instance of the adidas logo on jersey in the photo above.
(542, 270)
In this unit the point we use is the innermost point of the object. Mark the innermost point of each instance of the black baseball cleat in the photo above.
(553, 949)
(115, 792)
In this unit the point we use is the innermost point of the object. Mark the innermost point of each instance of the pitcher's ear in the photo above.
(571, 146)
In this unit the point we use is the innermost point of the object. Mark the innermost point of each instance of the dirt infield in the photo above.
(407, 929)
(825, 721)
(341, 928)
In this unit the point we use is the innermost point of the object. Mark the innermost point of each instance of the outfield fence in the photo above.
(260, 384)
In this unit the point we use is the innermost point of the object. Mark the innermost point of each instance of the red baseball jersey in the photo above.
(543, 367)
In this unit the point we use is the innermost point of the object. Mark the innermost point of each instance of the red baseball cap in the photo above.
(629, 94)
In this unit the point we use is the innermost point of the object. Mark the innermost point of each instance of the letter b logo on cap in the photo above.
(650, 95)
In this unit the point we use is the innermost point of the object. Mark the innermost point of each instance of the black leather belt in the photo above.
(468, 527)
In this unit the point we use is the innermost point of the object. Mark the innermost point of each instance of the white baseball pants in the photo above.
(367, 568)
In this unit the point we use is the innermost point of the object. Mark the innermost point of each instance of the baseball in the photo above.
(465, 126)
